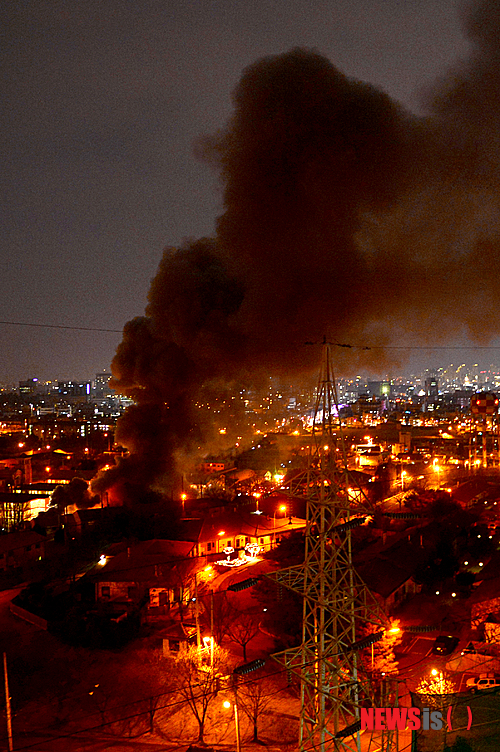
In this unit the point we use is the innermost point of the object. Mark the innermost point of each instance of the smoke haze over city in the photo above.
(345, 215)
(105, 108)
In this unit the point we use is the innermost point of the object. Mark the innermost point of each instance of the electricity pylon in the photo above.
(341, 618)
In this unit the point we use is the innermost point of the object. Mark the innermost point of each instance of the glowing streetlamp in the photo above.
(220, 534)
(282, 508)
(437, 469)
(394, 630)
(438, 684)
(227, 705)
(208, 644)
(257, 496)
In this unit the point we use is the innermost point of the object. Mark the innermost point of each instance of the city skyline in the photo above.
(467, 373)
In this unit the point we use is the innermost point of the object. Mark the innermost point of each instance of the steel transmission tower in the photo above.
(341, 618)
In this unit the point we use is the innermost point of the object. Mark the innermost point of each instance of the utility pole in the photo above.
(338, 609)
(7, 703)
(197, 617)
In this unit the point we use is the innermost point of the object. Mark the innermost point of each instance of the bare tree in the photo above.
(128, 694)
(254, 697)
(147, 682)
(197, 674)
(380, 657)
(220, 611)
(244, 628)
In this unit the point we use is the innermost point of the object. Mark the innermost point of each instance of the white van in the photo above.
(483, 681)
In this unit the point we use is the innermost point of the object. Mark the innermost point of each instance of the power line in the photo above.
(62, 326)
(334, 344)
(179, 702)
(423, 348)
(182, 701)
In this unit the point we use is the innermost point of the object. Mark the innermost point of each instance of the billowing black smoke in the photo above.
(344, 217)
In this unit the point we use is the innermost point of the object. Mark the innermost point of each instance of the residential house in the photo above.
(21, 548)
(229, 533)
(392, 573)
(155, 574)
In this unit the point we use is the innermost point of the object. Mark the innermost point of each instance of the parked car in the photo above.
(445, 644)
(483, 681)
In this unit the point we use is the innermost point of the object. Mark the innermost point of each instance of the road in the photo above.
(90, 743)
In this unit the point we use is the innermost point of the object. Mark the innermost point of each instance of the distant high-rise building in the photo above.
(30, 386)
(74, 389)
(431, 388)
(101, 384)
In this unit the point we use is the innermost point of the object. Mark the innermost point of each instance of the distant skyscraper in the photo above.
(30, 386)
(101, 385)
(74, 389)
(431, 388)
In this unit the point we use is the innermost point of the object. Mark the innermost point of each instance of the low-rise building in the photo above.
(151, 574)
(21, 548)
(213, 536)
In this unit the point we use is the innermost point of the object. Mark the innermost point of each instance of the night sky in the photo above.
(104, 107)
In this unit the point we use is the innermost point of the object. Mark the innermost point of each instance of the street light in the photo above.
(437, 469)
(222, 532)
(257, 497)
(208, 644)
(226, 704)
(282, 508)
(394, 630)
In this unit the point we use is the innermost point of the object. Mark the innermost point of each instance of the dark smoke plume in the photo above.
(345, 217)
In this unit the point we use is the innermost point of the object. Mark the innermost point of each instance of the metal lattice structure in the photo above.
(341, 618)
